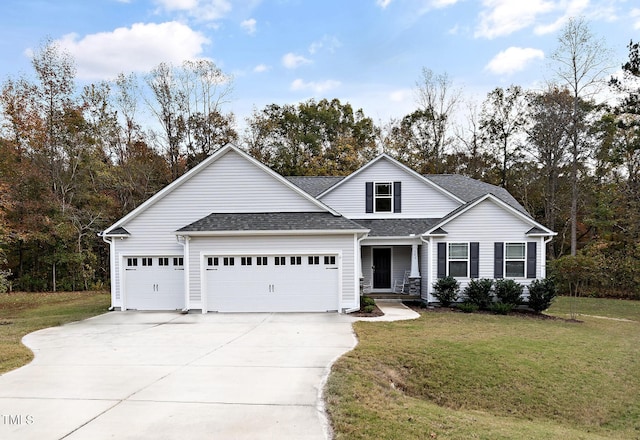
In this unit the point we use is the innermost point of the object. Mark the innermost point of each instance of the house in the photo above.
(232, 235)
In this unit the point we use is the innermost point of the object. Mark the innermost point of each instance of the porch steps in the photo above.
(393, 297)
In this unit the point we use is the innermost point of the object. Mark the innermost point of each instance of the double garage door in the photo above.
(272, 283)
(154, 283)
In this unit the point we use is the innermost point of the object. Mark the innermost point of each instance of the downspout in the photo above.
(185, 255)
(112, 267)
(358, 259)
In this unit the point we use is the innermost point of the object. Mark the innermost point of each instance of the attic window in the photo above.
(383, 197)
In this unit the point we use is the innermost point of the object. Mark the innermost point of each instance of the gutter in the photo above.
(185, 245)
(109, 241)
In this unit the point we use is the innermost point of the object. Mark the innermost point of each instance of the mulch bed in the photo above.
(376, 312)
(420, 307)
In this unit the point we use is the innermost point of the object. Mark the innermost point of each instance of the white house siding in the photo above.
(263, 245)
(231, 184)
(419, 199)
(486, 224)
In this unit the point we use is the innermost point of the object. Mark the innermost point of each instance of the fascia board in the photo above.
(296, 232)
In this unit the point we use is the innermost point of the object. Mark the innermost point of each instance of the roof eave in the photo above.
(272, 232)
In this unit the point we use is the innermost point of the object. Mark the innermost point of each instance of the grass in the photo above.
(23, 313)
(482, 376)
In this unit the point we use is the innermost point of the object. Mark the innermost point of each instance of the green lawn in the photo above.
(23, 313)
(451, 375)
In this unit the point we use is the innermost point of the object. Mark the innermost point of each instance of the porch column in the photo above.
(415, 267)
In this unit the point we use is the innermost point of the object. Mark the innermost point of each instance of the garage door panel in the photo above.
(282, 287)
(154, 283)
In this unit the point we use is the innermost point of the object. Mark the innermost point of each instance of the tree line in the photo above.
(73, 161)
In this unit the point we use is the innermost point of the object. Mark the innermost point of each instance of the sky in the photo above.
(369, 53)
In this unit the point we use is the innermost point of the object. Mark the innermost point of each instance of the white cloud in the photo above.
(401, 95)
(327, 42)
(575, 8)
(136, 49)
(249, 26)
(293, 61)
(513, 59)
(383, 3)
(206, 10)
(439, 4)
(261, 68)
(503, 17)
(315, 87)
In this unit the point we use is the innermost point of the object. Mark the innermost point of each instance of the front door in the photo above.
(381, 268)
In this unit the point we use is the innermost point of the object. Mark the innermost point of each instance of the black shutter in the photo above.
(397, 196)
(442, 260)
(474, 251)
(531, 259)
(498, 260)
(369, 197)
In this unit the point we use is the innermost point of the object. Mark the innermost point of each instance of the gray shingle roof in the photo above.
(469, 189)
(118, 231)
(398, 227)
(314, 185)
(271, 221)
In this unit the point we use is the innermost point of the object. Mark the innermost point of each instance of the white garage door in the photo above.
(154, 283)
(275, 283)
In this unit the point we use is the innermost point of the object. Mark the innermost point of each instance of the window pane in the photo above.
(458, 251)
(383, 205)
(514, 251)
(514, 269)
(458, 268)
(383, 189)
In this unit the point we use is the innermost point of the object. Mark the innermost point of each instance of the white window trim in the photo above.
(467, 260)
(524, 260)
(390, 197)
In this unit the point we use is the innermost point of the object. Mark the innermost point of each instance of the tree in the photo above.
(502, 121)
(437, 101)
(580, 62)
(551, 113)
(312, 138)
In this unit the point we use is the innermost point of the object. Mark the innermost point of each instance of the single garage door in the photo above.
(154, 283)
(274, 283)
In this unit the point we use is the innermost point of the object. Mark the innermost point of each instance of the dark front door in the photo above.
(381, 268)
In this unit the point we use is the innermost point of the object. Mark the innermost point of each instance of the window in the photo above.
(383, 197)
(228, 261)
(514, 260)
(245, 261)
(295, 261)
(458, 260)
(179, 261)
(131, 262)
(213, 261)
(261, 261)
(280, 261)
(314, 259)
(147, 261)
(330, 259)
(163, 261)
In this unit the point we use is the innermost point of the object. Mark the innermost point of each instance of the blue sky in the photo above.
(366, 52)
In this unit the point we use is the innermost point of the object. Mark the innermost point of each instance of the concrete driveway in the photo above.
(136, 375)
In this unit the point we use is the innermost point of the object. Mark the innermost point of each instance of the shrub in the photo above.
(541, 294)
(369, 308)
(446, 290)
(501, 308)
(509, 292)
(468, 307)
(478, 292)
(367, 301)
